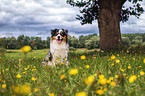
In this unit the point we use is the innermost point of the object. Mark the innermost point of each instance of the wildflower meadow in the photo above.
(89, 73)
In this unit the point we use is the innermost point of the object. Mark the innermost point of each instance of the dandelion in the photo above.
(127, 51)
(51, 94)
(4, 85)
(36, 89)
(113, 83)
(142, 73)
(18, 76)
(81, 94)
(113, 57)
(89, 80)
(25, 68)
(73, 71)
(21, 89)
(25, 49)
(87, 66)
(129, 67)
(132, 78)
(83, 57)
(112, 64)
(100, 92)
(144, 60)
(117, 61)
(101, 76)
(62, 76)
(103, 81)
(33, 78)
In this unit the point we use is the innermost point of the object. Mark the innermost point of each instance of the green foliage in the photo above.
(126, 41)
(90, 9)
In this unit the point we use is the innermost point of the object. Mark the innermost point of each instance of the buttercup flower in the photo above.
(103, 81)
(4, 85)
(129, 67)
(33, 78)
(25, 49)
(89, 80)
(36, 89)
(62, 76)
(113, 83)
(144, 60)
(142, 73)
(18, 76)
(101, 76)
(100, 92)
(87, 66)
(51, 94)
(73, 71)
(113, 57)
(21, 89)
(132, 78)
(83, 57)
(117, 61)
(81, 94)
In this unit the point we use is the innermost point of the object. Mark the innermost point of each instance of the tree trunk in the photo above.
(109, 23)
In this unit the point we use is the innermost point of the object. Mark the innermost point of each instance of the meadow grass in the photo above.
(99, 73)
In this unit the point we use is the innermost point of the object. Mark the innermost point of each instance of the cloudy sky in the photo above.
(38, 17)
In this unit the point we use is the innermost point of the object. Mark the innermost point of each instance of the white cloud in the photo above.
(43, 15)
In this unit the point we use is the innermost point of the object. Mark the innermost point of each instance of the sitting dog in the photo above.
(59, 48)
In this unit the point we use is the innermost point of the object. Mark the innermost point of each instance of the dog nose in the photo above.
(58, 37)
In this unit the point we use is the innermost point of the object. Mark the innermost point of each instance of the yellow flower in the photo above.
(113, 57)
(18, 76)
(62, 76)
(144, 60)
(25, 49)
(51, 94)
(87, 66)
(36, 89)
(142, 73)
(129, 67)
(112, 64)
(83, 57)
(25, 68)
(116, 76)
(127, 51)
(73, 71)
(101, 76)
(103, 81)
(117, 61)
(21, 90)
(113, 83)
(81, 94)
(4, 85)
(132, 78)
(100, 92)
(89, 80)
(33, 78)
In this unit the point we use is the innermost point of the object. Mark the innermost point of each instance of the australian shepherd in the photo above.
(59, 48)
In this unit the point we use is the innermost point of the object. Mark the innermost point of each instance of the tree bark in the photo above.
(109, 23)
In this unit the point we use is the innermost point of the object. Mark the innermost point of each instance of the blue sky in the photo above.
(38, 17)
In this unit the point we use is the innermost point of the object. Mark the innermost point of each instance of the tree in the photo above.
(109, 13)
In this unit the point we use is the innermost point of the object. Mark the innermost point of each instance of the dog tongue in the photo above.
(58, 41)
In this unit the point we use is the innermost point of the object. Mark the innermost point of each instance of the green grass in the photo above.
(48, 78)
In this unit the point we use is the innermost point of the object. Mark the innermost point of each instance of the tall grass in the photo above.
(22, 75)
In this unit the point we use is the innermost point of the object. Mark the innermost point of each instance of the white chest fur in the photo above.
(58, 50)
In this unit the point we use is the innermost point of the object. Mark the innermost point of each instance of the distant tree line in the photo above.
(89, 42)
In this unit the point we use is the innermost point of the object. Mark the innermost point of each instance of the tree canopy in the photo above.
(90, 9)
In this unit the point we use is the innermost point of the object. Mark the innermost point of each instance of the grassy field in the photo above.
(90, 73)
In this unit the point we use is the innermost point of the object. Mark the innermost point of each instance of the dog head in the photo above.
(60, 35)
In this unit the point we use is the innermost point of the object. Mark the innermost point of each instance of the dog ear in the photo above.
(52, 32)
(66, 31)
